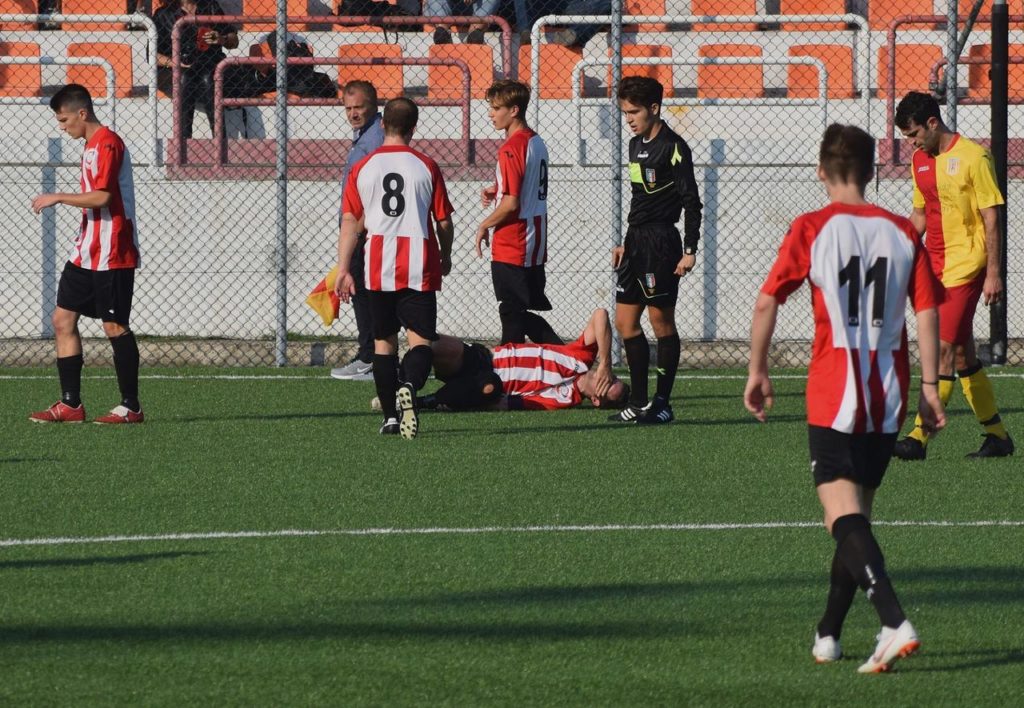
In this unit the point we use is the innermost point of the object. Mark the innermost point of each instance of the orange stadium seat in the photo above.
(556, 65)
(386, 78)
(802, 80)
(724, 7)
(979, 81)
(17, 7)
(93, 7)
(263, 8)
(661, 73)
(881, 13)
(94, 78)
(644, 7)
(20, 79)
(913, 67)
(812, 7)
(445, 82)
(730, 80)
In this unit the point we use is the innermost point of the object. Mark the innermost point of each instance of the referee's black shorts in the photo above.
(646, 274)
(101, 294)
(519, 288)
(412, 309)
(858, 457)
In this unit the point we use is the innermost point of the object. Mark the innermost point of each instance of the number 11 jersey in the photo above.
(396, 190)
(863, 263)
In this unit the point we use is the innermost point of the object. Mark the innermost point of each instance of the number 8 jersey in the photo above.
(396, 190)
(863, 263)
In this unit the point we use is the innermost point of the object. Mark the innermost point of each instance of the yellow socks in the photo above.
(979, 394)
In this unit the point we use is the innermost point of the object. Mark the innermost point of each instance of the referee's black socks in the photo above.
(638, 358)
(69, 370)
(858, 550)
(126, 366)
(668, 364)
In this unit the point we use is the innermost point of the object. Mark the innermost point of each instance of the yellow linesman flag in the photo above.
(323, 300)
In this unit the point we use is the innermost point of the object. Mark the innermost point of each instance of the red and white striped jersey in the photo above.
(107, 239)
(544, 376)
(396, 190)
(862, 263)
(522, 172)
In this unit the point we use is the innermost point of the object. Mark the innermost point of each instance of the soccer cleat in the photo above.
(355, 370)
(389, 426)
(893, 644)
(657, 412)
(910, 449)
(121, 415)
(629, 414)
(826, 650)
(60, 412)
(994, 446)
(408, 420)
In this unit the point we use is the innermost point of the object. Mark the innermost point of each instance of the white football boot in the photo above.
(893, 644)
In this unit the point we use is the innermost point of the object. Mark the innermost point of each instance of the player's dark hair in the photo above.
(508, 93)
(917, 107)
(847, 154)
(400, 117)
(641, 91)
(72, 97)
(365, 86)
(623, 400)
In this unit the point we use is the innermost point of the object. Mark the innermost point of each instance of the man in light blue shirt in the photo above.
(360, 99)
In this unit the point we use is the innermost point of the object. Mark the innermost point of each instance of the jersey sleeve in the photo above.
(918, 196)
(686, 186)
(110, 155)
(441, 206)
(924, 289)
(792, 265)
(983, 176)
(351, 202)
(513, 169)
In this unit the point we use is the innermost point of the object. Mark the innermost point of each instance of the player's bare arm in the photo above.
(445, 239)
(599, 331)
(758, 396)
(488, 195)
(96, 199)
(992, 289)
(507, 208)
(344, 285)
(918, 220)
(929, 405)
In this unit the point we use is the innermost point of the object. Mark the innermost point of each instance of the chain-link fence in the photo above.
(191, 88)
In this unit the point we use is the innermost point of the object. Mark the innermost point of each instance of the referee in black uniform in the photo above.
(653, 257)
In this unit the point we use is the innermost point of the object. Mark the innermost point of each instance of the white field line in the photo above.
(471, 531)
(323, 377)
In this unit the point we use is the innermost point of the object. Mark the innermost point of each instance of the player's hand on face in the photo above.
(488, 195)
(685, 265)
(758, 396)
(344, 286)
(602, 381)
(617, 253)
(992, 289)
(43, 201)
(483, 238)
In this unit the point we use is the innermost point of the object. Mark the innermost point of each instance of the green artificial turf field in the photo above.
(527, 558)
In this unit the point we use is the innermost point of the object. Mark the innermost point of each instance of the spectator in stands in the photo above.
(577, 36)
(480, 8)
(202, 48)
(361, 111)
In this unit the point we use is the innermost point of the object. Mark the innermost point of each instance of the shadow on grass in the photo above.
(269, 417)
(947, 661)
(97, 560)
(17, 460)
(559, 427)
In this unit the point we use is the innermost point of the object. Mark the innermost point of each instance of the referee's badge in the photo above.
(952, 166)
(649, 175)
(649, 282)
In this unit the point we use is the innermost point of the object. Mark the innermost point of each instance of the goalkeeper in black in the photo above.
(653, 256)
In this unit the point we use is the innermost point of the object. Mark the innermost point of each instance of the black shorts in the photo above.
(519, 288)
(646, 274)
(412, 309)
(477, 362)
(101, 294)
(859, 457)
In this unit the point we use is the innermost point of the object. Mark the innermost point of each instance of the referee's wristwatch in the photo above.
(690, 251)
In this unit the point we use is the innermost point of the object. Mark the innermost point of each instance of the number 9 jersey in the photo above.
(396, 190)
(863, 263)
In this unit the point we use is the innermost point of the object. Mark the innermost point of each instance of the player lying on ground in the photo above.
(863, 264)
(527, 376)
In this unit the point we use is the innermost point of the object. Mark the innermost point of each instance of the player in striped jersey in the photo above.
(520, 219)
(396, 194)
(956, 200)
(99, 278)
(863, 264)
